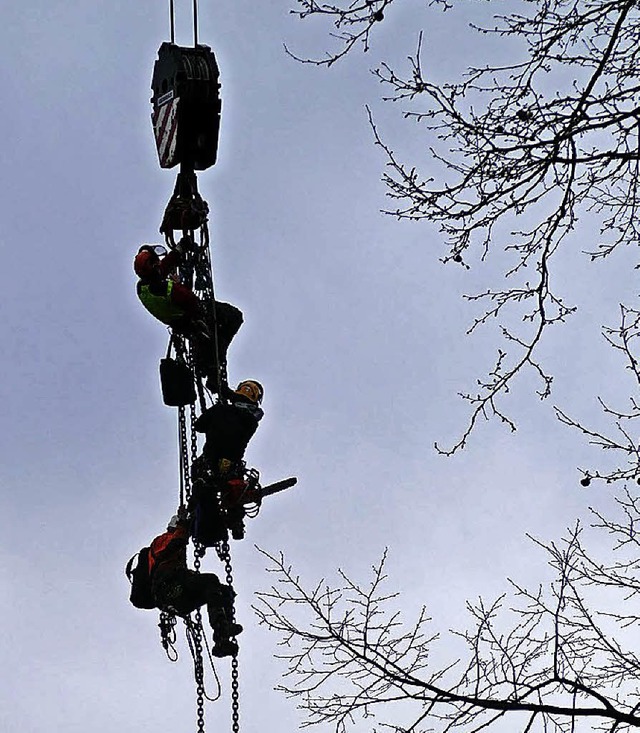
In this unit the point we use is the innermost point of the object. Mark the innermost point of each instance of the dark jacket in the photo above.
(228, 428)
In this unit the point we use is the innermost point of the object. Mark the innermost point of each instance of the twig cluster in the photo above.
(543, 141)
(354, 22)
(619, 439)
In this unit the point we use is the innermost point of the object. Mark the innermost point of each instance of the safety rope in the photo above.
(167, 626)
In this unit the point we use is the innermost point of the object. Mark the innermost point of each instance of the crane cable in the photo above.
(173, 22)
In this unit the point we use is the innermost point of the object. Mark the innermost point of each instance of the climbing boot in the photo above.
(220, 610)
(224, 648)
(233, 629)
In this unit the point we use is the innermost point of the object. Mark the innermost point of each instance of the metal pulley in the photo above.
(186, 106)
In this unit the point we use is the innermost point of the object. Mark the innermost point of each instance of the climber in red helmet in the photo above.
(176, 305)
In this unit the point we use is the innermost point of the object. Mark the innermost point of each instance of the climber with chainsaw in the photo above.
(220, 487)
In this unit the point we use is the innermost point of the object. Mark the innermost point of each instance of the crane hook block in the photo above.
(186, 106)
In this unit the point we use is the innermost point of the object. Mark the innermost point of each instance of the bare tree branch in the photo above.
(544, 140)
(354, 23)
(550, 655)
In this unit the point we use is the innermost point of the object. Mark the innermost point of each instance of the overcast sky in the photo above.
(351, 323)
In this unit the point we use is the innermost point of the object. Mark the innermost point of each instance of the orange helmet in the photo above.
(251, 389)
(145, 262)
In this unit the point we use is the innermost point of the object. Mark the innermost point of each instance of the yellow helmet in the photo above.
(251, 389)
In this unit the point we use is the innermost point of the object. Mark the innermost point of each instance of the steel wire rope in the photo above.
(195, 23)
(172, 17)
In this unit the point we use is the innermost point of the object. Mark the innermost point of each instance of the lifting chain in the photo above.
(194, 437)
(235, 696)
(197, 641)
(197, 273)
(190, 458)
(190, 453)
(222, 548)
(188, 444)
(199, 670)
(185, 479)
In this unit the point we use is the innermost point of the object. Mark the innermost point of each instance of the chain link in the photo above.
(199, 550)
(184, 469)
(235, 696)
(199, 670)
(194, 435)
(224, 554)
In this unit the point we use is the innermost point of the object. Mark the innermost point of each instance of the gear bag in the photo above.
(176, 381)
(207, 521)
(140, 595)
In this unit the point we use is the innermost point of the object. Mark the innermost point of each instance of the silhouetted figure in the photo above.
(176, 305)
(178, 589)
(220, 488)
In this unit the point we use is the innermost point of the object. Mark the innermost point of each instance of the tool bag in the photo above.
(177, 384)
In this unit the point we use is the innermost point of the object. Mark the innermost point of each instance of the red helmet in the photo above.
(146, 262)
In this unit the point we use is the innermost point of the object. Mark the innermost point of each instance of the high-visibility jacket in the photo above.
(161, 306)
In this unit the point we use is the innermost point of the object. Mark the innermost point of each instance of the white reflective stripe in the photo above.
(165, 125)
